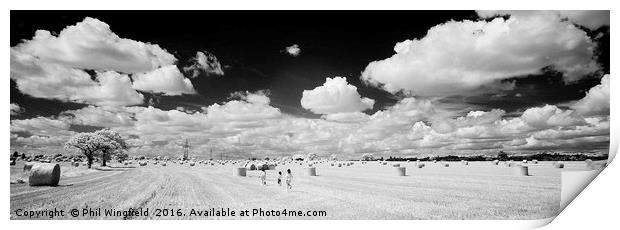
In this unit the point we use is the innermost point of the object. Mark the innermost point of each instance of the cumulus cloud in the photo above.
(591, 19)
(91, 44)
(53, 66)
(293, 50)
(550, 116)
(463, 57)
(16, 109)
(596, 101)
(258, 97)
(167, 80)
(335, 96)
(204, 62)
(53, 81)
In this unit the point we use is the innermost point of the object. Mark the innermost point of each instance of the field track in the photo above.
(477, 191)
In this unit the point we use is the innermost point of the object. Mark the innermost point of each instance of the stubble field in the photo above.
(479, 190)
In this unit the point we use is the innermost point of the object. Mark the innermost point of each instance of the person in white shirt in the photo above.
(288, 179)
(263, 177)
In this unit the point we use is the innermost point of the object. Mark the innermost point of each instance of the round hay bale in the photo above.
(143, 163)
(239, 171)
(559, 165)
(521, 171)
(180, 162)
(496, 162)
(395, 165)
(446, 165)
(535, 161)
(421, 165)
(44, 174)
(155, 162)
(75, 164)
(524, 161)
(400, 171)
(163, 163)
(339, 165)
(28, 166)
(333, 164)
(465, 162)
(192, 163)
(311, 171)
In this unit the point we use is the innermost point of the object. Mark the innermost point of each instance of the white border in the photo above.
(594, 208)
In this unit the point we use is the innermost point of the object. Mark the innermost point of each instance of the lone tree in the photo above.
(112, 144)
(88, 143)
(368, 157)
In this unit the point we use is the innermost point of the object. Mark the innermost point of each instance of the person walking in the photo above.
(289, 180)
(280, 178)
(263, 177)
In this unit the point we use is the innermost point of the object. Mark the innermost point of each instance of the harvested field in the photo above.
(479, 190)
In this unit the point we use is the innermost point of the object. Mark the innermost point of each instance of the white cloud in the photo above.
(91, 44)
(550, 116)
(16, 109)
(591, 19)
(596, 100)
(335, 96)
(168, 80)
(204, 62)
(347, 117)
(53, 81)
(474, 56)
(293, 50)
(258, 97)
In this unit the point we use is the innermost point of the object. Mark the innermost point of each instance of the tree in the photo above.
(88, 143)
(367, 157)
(112, 144)
(312, 156)
(15, 154)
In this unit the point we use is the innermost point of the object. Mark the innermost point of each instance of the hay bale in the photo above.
(558, 165)
(395, 165)
(311, 171)
(446, 165)
(75, 164)
(421, 165)
(496, 162)
(339, 165)
(521, 171)
(240, 171)
(28, 166)
(524, 161)
(163, 163)
(465, 162)
(142, 163)
(400, 171)
(192, 163)
(535, 161)
(44, 174)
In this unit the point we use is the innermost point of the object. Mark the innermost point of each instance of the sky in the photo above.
(279, 83)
